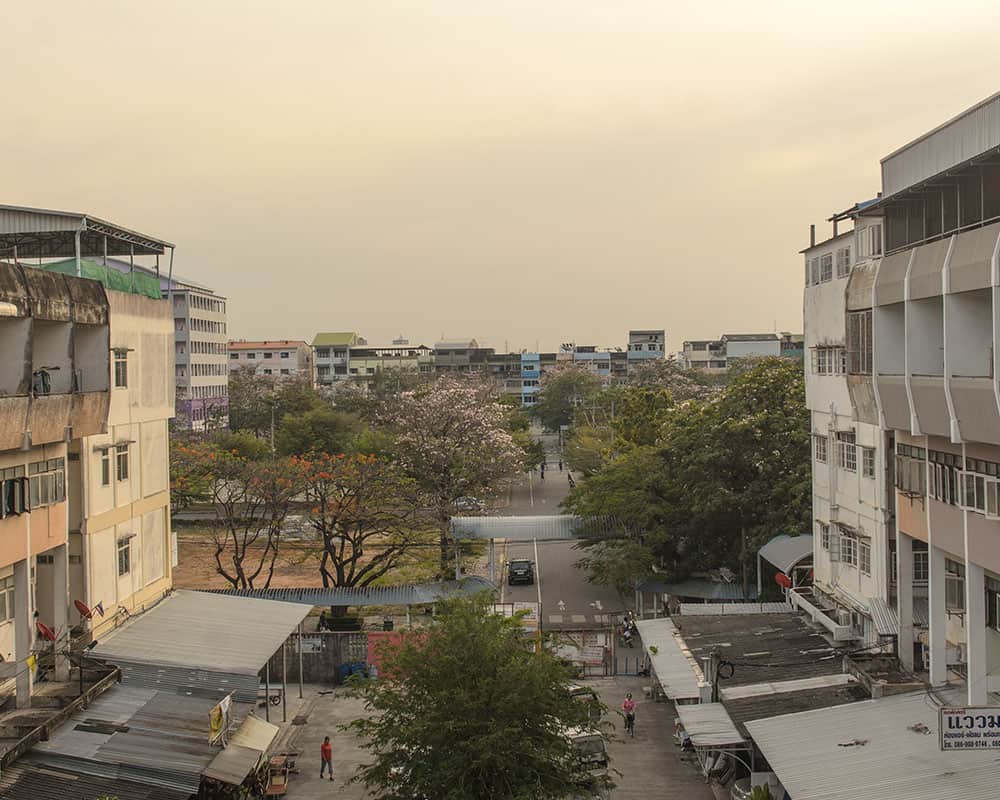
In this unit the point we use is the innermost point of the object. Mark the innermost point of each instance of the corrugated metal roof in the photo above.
(26, 782)
(884, 618)
(886, 749)
(781, 687)
(711, 609)
(543, 528)
(233, 764)
(42, 232)
(703, 588)
(410, 595)
(137, 734)
(203, 630)
(785, 551)
(335, 338)
(709, 725)
(672, 662)
(255, 733)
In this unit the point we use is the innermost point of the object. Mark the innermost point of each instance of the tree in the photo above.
(189, 482)
(251, 501)
(255, 400)
(452, 439)
(466, 710)
(367, 516)
(318, 430)
(563, 390)
(723, 476)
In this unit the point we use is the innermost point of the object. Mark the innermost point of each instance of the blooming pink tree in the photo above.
(452, 437)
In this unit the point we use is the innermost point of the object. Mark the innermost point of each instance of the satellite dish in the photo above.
(45, 631)
(85, 612)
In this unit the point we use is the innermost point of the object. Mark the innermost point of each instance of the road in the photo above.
(567, 599)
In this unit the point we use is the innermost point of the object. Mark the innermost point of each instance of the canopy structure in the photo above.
(43, 233)
(709, 726)
(198, 641)
(786, 553)
(247, 747)
(406, 595)
(560, 526)
(672, 662)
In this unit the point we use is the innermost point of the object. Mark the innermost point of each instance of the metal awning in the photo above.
(406, 595)
(233, 764)
(702, 589)
(255, 733)
(44, 233)
(198, 641)
(785, 552)
(672, 662)
(555, 527)
(709, 725)
(887, 748)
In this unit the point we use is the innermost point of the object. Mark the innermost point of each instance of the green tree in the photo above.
(318, 430)
(255, 399)
(563, 391)
(467, 711)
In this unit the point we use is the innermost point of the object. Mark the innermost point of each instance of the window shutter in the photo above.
(834, 543)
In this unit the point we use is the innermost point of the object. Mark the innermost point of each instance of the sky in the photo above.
(522, 172)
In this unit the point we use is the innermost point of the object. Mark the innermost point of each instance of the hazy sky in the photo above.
(520, 171)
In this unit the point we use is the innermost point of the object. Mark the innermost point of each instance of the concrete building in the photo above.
(85, 396)
(331, 354)
(708, 355)
(644, 346)
(716, 355)
(201, 354)
(401, 357)
(919, 351)
(281, 358)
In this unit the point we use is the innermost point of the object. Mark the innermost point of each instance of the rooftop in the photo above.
(243, 344)
(27, 782)
(750, 337)
(45, 233)
(337, 339)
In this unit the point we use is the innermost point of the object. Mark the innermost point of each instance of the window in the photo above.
(868, 462)
(954, 585)
(812, 272)
(859, 342)
(865, 555)
(992, 604)
(824, 535)
(252, 356)
(819, 445)
(847, 451)
(826, 268)
(234, 356)
(322, 352)
(945, 472)
(870, 241)
(843, 262)
(121, 461)
(124, 557)
(268, 355)
(828, 361)
(13, 492)
(268, 371)
(284, 354)
(106, 467)
(911, 473)
(848, 546)
(6, 599)
(285, 372)
(921, 570)
(46, 482)
(121, 368)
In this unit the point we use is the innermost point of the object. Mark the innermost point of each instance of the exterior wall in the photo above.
(280, 359)
(130, 509)
(644, 346)
(740, 349)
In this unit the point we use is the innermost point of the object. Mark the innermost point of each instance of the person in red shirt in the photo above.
(326, 751)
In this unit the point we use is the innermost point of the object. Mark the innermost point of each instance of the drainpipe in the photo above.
(76, 250)
(812, 235)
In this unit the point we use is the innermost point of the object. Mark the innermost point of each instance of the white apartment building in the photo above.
(921, 324)
(280, 358)
(714, 355)
(201, 355)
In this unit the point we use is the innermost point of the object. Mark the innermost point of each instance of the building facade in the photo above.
(281, 358)
(919, 339)
(644, 346)
(716, 355)
(201, 355)
(331, 355)
(86, 391)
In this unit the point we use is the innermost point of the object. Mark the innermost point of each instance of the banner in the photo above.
(218, 719)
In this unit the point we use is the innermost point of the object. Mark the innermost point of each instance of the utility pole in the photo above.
(272, 426)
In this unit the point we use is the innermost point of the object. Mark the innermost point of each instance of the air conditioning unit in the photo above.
(843, 617)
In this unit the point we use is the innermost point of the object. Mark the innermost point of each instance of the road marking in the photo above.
(538, 578)
(598, 606)
(562, 605)
(531, 492)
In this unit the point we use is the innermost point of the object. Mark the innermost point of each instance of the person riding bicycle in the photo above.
(628, 706)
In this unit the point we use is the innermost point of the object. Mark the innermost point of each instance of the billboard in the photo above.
(970, 728)
(219, 719)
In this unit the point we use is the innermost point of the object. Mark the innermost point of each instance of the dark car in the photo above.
(520, 570)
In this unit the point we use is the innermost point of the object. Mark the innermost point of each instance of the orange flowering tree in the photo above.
(366, 514)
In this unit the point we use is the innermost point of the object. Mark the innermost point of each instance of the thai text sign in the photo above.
(972, 728)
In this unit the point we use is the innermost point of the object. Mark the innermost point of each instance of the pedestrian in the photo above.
(322, 621)
(628, 706)
(560, 465)
(326, 752)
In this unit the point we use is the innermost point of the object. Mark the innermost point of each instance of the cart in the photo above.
(277, 777)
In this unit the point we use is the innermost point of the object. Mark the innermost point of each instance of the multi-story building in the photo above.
(921, 320)
(401, 357)
(331, 354)
(86, 392)
(715, 355)
(201, 354)
(280, 358)
(644, 346)
(704, 354)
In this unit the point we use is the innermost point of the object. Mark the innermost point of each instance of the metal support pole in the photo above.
(267, 691)
(76, 252)
(131, 267)
(170, 281)
(409, 622)
(493, 563)
(15, 254)
(284, 682)
(300, 661)
(458, 561)
(105, 262)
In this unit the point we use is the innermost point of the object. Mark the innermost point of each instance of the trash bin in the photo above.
(387, 624)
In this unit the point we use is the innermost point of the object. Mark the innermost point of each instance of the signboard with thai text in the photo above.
(970, 728)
